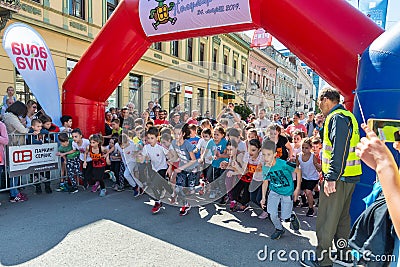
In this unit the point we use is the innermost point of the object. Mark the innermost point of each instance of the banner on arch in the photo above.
(171, 16)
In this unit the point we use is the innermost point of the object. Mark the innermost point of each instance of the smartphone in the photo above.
(387, 130)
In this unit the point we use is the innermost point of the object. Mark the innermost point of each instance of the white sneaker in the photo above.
(263, 215)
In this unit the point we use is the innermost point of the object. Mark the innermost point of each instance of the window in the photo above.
(22, 91)
(114, 98)
(70, 65)
(213, 103)
(243, 70)
(201, 55)
(157, 46)
(200, 101)
(215, 54)
(111, 6)
(156, 90)
(76, 8)
(225, 64)
(234, 67)
(135, 92)
(190, 49)
(188, 98)
(175, 48)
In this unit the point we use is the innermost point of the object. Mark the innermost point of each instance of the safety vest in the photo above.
(353, 163)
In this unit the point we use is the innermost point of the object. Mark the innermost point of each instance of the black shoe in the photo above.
(277, 234)
(223, 200)
(48, 190)
(310, 212)
(294, 222)
(38, 190)
(304, 205)
(73, 190)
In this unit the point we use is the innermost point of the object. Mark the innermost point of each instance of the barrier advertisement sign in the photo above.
(161, 17)
(32, 158)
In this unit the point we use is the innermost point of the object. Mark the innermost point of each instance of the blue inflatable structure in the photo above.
(378, 93)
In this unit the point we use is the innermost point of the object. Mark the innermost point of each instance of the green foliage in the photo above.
(243, 110)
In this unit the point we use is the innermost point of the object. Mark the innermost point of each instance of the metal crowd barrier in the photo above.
(27, 162)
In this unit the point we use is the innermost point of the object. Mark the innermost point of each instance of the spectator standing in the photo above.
(9, 95)
(32, 109)
(303, 119)
(9, 102)
(262, 122)
(162, 115)
(193, 119)
(341, 168)
(177, 109)
(150, 106)
(310, 124)
(296, 125)
(277, 119)
(15, 126)
(229, 114)
(175, 120)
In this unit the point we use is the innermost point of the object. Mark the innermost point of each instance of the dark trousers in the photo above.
(115, 167)
(333, 221)
(98, 175)
(239, 187)
(87, 173)
(256, 197)
(45, 175)
(214, 173)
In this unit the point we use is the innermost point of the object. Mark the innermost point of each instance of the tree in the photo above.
(243, 110)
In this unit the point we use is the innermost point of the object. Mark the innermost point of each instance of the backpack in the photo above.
(373, 234)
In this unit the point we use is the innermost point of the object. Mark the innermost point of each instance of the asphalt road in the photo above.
(83, 229)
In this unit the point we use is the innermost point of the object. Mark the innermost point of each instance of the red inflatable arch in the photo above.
(328, 36)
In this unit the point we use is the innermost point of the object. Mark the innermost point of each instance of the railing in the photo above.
(9, 5)
(27, 162)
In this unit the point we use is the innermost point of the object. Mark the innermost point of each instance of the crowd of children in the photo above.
(271, 167)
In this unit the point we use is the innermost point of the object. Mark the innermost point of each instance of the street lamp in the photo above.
(287, 104)
(253, 87)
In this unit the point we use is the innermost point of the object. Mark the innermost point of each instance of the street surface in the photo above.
(85, 230)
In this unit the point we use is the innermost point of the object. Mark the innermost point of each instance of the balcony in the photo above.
(7, 8)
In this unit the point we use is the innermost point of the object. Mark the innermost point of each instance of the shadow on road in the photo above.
(38, 226)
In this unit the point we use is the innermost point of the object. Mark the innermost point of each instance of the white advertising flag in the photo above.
(31, 56)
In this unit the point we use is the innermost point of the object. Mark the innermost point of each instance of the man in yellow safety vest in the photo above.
(341, 168)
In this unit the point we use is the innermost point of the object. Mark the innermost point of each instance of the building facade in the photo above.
(203, 73)
(198, 73)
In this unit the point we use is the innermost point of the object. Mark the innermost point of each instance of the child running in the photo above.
(187, 161)
(80, 144)
(277, 174)
(309, 167)
(234, 170)
(72, 163)
(251, 161)
(217, 146)
(98, 162)
(157, 155)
